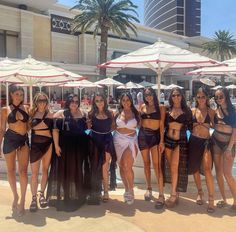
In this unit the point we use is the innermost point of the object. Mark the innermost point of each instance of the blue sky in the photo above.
(216, 15)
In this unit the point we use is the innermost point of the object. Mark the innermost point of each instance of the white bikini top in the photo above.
(131, 124)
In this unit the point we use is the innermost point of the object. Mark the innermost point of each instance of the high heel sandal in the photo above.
(160, 202)
(42, 201)
(148, 195)
(170, 203)
(210, 208)
(105, 197)
(33, 206)
(221, 204)
(199, 200)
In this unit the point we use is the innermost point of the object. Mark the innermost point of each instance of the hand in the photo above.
(228, 154)
(58, 151)
(161, 148)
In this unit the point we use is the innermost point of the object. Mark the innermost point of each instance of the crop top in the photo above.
(154, 115)
(207, 120)
(12, 116)
(131, 124)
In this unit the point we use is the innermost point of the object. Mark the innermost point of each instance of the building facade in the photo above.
(182, 17)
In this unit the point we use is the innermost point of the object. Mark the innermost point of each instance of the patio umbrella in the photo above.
(130, 85)
(161, 86)
(217, 87)
(146, 84)
(231, 86)
(81, 84)
(207, 81)
(173, 86)
(159, 57)
(30, 71)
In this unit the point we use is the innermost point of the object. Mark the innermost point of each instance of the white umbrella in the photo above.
(30, 71)
(108, 82)
(173, 86)
(231, 86)
(207, 81)
(146, 84)
(159, 57)
(161, 86)
(217, 87)
(130, 85)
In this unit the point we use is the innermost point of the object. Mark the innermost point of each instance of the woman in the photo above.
(16, 143)
(224, 144)
(126, 144)
(151, 140)
(68, 181)
(41, 123)
(199, 147)
(101, 122)
(178, 120)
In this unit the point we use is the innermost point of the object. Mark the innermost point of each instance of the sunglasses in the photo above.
(175, 95)
(219, 97)
(148, 94)
(42, 101)
(201, 97)
(73, 101)
(100, 100)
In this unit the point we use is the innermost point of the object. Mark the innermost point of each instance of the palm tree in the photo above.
(103, 16)
(223, 45)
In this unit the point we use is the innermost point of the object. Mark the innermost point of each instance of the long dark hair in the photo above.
(203, 90)
(69, 100)
(12, 89)
(230, 107)
(183, 103)
(133, 109)
(155, 99)
(94, 110)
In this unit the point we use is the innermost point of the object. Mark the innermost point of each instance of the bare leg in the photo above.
(147, 167)
(197, 180)
(227, 168)
(34, 178)
(23, 160)
(11, 175)
(105, 172)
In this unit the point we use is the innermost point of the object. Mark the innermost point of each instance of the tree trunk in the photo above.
(103, 51)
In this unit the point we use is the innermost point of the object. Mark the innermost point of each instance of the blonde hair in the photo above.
(34, 108)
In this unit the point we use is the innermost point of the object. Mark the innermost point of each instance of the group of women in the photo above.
(82, 150)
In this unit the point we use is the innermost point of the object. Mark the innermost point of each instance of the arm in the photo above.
(162, 129)
(3, 124)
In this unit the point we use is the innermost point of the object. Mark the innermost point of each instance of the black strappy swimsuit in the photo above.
(12, 139)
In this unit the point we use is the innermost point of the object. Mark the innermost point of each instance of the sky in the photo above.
(215, 15)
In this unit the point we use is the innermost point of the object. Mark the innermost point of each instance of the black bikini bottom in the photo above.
(13, 141)
(148, 138)
(39, 146)
(171, 143)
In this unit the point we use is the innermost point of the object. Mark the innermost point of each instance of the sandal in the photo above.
(160, 202)
(105, 197)
(148, 195)
(33, 206)
(172, 201)
(210, 207)
(199, 200)
(93, 199)
(42, 201)
(130, 199)
(221, 204)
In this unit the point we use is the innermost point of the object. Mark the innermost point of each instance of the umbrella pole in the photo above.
(159, 81)
(7, 94)
(49, 93)
(31, 95)
(62, 93)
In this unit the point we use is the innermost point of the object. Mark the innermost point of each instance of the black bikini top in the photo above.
(226, 120)
(154, 115)
(12, 116)
(206, 120)
(47, 121)
(180, 119)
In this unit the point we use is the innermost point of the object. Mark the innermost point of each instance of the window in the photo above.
(8, 44)
(117, 54)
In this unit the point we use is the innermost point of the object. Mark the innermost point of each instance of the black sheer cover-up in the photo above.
(100, 143)
(196, 149)
(186, 120)
(39, 143)
(68, 181)
(13, 141)
(148, 138)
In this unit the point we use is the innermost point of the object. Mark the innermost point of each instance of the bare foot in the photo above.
(21, 208)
